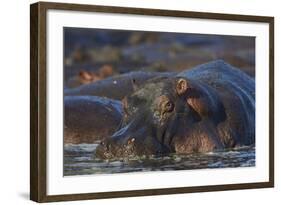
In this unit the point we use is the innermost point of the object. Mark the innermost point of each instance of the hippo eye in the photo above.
(169, 106)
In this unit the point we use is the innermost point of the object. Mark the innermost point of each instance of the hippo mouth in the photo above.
(140, 138)
(136, 139)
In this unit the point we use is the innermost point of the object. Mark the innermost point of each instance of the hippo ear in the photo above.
(181, 86)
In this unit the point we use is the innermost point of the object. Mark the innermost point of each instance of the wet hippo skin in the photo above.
(115, 87)
(207, 108)
(89, 118)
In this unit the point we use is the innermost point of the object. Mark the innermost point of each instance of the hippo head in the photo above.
(153, 115)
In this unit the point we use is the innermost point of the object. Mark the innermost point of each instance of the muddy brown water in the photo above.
(80, 160)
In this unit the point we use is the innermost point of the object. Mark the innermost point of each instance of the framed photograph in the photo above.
(134, 102)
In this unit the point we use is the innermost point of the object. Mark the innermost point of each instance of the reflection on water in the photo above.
(79, 160)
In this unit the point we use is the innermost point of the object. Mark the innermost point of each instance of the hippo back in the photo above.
(236, 91)
(221, 73)
(88, 119)
(116, 87)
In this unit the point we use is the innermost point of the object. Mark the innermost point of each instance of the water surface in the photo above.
(80, 160)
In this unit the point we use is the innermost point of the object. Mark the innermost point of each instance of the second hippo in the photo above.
(89, 119)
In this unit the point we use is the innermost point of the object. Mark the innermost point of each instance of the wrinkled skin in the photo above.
(210, 107)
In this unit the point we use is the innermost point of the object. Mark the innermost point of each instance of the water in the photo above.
(80, 160)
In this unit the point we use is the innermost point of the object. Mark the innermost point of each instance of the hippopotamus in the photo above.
(116, 87)
(88, 119)
(210, 107)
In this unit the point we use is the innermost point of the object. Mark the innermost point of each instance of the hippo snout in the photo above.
(116, 146)
(103, 151)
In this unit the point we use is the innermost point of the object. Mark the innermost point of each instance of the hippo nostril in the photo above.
(108, 147)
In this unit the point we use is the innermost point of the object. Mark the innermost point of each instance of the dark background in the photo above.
(116, 52)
